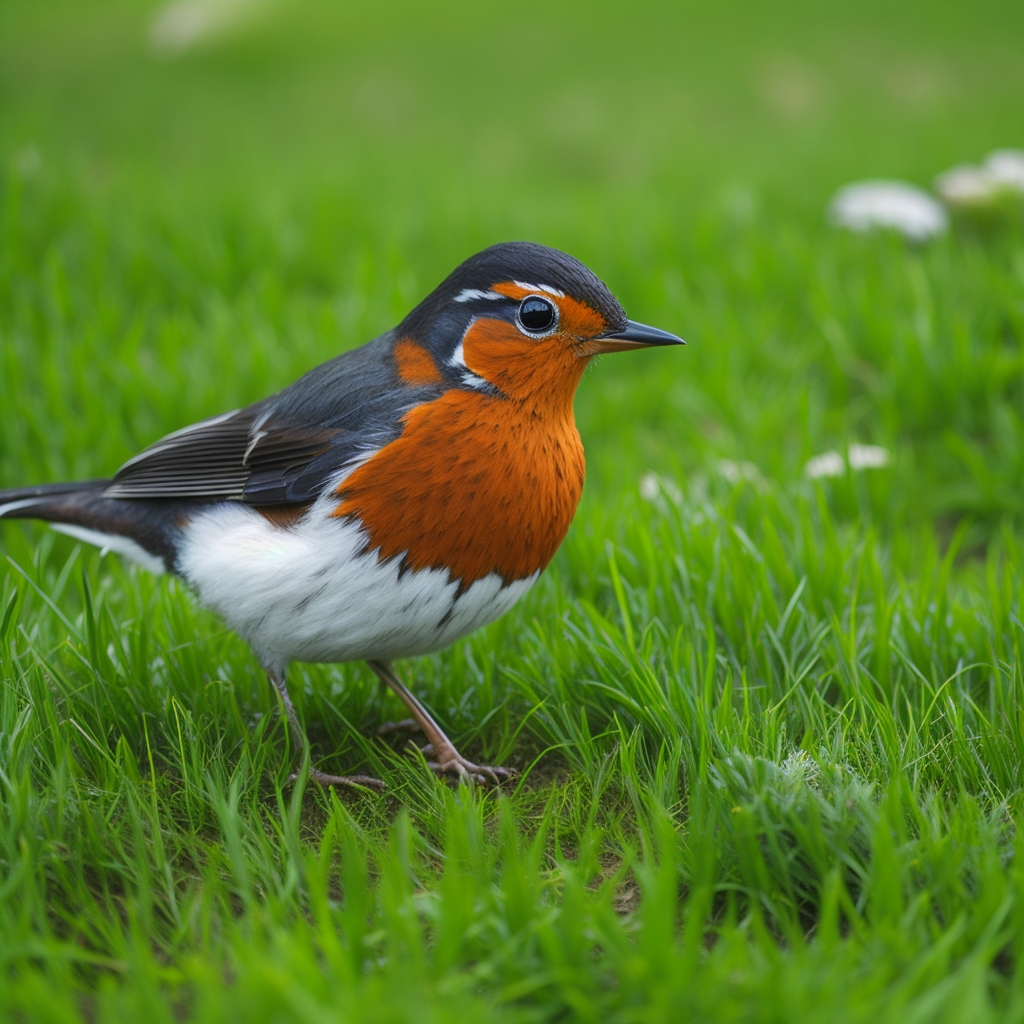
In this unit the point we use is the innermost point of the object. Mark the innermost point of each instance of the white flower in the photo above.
(867, 456)
(736, 472)
(1006, 168)
(826, 464)
(966, 186)
(653, 485)
(859, 456)
(181, 24)
(974, 188)
(888, 204)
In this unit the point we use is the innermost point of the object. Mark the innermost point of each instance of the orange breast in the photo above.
(475, 484)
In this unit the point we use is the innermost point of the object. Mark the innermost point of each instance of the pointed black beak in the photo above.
(634, 336)
(641, 334)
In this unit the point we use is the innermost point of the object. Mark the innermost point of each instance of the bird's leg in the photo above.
(403, 725)
(449, 760)
(302, 741)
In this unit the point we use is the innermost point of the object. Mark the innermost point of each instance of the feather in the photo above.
(286, 448)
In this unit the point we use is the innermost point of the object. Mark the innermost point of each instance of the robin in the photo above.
(390, 501)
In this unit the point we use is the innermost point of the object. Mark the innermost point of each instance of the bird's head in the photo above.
(517, 319)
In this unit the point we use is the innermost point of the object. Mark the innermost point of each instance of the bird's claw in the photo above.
(357, 781)
(466, 771)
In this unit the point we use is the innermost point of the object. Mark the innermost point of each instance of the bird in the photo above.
(389, 502)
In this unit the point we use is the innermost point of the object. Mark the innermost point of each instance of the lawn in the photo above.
(770, 728)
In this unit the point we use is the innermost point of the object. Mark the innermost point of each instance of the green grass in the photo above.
(771, 730)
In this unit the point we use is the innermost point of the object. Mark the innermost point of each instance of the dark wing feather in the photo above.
(285, 449)
(204, 460)
(225, 456)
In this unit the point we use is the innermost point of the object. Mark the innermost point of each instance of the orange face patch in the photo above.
(415, 364)
(576, 319)
(545, 371)
(475, 484)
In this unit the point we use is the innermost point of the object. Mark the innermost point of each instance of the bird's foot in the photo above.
(451, 762)
(357, 781)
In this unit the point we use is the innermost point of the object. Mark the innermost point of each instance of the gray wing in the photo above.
(285, 449)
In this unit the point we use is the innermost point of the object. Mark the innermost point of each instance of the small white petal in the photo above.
(966, 186)
(867, 456)
(730, 470)
(180, 24)
(1006, 168)
(826, 464)
(654, 486)
(650, 487)
(735, 472)
(888, 204)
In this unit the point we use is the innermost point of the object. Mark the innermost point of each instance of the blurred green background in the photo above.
(771, 726)
(209, 216)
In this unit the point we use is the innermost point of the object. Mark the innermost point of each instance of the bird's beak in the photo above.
(634, 336)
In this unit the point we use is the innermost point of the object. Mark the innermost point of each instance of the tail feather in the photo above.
(144, 530)
(31, 502)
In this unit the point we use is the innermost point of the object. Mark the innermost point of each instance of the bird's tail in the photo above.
(47, 501)
(141, 530)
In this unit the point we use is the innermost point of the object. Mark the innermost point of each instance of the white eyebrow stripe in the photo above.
(472, 294)
(540, 288)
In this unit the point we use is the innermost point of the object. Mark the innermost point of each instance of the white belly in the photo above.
(311, 593)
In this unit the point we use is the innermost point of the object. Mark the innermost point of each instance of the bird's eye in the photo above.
(536, 314)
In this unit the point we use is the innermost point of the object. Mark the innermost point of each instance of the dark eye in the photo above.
(537, 314)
